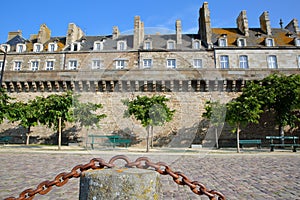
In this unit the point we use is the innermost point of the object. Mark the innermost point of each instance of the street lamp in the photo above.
(3, 65)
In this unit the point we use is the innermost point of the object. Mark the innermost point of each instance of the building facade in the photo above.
(190, 68)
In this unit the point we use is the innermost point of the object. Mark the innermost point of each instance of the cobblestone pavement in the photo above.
(238, 176)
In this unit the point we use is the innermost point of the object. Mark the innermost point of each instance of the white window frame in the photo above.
(222, 42)
(171, 63)
(298, 61)
(241, 42)
(5, 47)
(98, 46)
(17, 65)
(147, 63)
(196, 44)
(171, 44)
(197, 63)
(297, 42)
(37, 47)
(1, 64)
(49, 65)
(52, 47)
(97, 64)
(75, 46)
(34, 65)
(243, 62)
(122, 45)
(147, 45)
(73, 65)
(224, 62)
(269, 42)
(120, 63)
(272, 62)
(20, 48)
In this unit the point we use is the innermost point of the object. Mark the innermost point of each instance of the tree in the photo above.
(241, 111)
(216, 113)
(26, 113)
(150, 111)
(4, 104)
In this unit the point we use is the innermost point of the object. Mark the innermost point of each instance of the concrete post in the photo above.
(128, 183)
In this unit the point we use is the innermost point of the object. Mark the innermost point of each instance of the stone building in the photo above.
(190, 68)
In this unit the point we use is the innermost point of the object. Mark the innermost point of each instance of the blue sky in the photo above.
(97, 17)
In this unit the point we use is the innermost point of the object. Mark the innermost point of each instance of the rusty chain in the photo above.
(98, 163)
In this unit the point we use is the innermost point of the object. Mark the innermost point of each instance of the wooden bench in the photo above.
(6, 139)
(256, 142)
(281, 142)
(114, 140)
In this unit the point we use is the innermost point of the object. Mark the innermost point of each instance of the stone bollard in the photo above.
(121, 184)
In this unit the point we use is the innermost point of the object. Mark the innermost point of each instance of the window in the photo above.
(97, 64)
(17, 66)
(34, 65)
(75, 46)
(272, 62)
(298, 62)
(1, 64)
(52, 47)
(147, 45)
(196, 44)
(122, 45)
(72, 64)
(49, 65)
(21, 48)
(37, 47)
(98, 46)
(147, 63)
(269, 42)
(224, 62)
(244, 62)
(297, 42)
(222, 42)
(241, 42)
(171, 45)
(120, 64)
(5, 47)
(198, 63)
(171, 63)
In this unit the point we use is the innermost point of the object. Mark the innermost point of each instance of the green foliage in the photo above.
(4, 104)
(215, 112)
(151, 111)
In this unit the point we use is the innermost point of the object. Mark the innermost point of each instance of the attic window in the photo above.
(258, 34)
(297, 42)
(289, 34)
(222, 42)
(241, 42)
(37, 47)
(98, 46)
(171, 44)
(269, 42)
(21, 48)
(5, 47)
(196, 44)
(52, 47)
(147, 45)
(121, 45)
(75, 46)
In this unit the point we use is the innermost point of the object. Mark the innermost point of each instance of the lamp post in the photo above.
(3, 65)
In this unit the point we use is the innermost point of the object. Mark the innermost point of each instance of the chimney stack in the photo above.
(265, 24)
(138, 37)
(178, 32)
(242, 23)
(293, 26)
(205, 31)
(116, 32)
(13, 34)
(44, 34)
(74, 33)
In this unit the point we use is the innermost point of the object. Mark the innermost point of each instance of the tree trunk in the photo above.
(281, 133)
(147, 139)
(216, 135)
(238, 137)
(59, 133)
(151, 137)
(28, 136)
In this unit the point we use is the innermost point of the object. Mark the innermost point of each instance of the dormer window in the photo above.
(37, 47)
(5, 47)
(171, 44)
(241, 42)
(20, 48)
(121, 46)
(75, 46)
(223, 42)
(269, 42)
(297, 42)
(196, 44)
(98, 46)
(147, 45)
(52, 47)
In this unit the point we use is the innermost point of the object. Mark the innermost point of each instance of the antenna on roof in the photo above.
(281, 23)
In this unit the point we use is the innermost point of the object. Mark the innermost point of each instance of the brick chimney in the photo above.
(74, 33)
(115, 33)
(44, 34)
(242, 23)
(13, 34)
(205, 31)
(139, 34)
(265, 24)
(293, 26)
(178, 32)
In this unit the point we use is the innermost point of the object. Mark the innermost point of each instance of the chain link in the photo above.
(98, 163)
